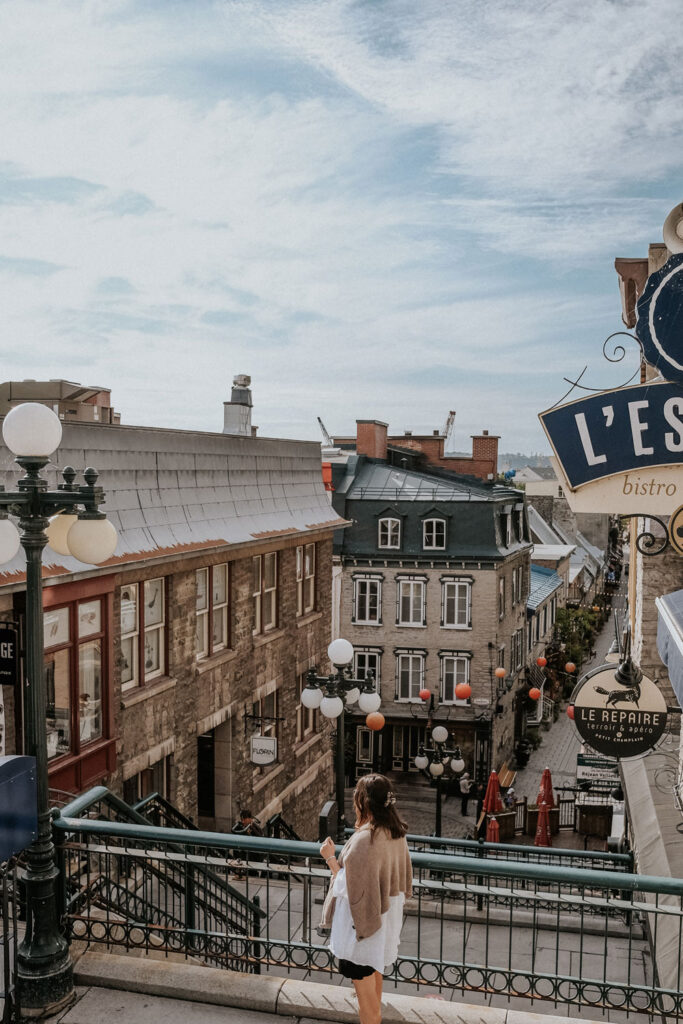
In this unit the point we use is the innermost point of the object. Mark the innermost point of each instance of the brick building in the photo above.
(162, 663)
(434, 586)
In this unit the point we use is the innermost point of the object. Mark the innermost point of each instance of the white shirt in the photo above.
(377, 951)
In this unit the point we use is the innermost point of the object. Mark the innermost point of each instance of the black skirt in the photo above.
(354, 971)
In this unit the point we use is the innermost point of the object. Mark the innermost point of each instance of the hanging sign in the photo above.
(660, 318)
(616, 719)
(597, 768)
(9, 655)
(263, 749)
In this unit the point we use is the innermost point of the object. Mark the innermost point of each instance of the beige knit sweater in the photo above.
(377, 868)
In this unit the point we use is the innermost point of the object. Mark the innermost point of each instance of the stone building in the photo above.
(162, 663)
(434, 586)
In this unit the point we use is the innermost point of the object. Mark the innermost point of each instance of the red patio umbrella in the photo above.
(493, 831)
(543, 826)
(545, 792)
(492, 801)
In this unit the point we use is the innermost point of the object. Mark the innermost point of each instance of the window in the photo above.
(367, 601)
(516, 650)
(367, 660)
(456, 604)
(434, 534)
(306, 718)
(144, 618)
(389, 533)
(410, 597)
(501, 597)
(265, 592)
(514, 586)
(212, 608)
(305, 579)
(455, 669)
(155, 779)
(264, 712)
(74, 638)
(409, 676)
(363, 745)
(506, 524)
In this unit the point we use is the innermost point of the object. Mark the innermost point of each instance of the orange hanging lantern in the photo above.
(424, 694)
(570, 667)
(375, 721)
(570, 711)
(534, 693)
(463, 691)
(500, 673)
(541, 662)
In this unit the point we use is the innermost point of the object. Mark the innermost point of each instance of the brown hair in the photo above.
(374, 802)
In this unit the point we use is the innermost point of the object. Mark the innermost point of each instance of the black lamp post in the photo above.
(436, 758)
(32, 432)
(340, 689)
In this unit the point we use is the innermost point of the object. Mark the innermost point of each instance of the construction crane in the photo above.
(449, 425)
(328, 440)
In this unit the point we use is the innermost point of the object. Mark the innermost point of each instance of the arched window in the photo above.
(389, 533)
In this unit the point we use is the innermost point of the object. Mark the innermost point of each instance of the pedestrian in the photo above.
(510, 797)
(248, 824)
(371, 879)
(465, 787)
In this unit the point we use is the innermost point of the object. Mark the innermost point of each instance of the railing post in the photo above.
(480, 878)
(256, 928)
(190, 917)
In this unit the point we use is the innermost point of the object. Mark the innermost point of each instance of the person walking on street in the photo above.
(371, 879)
(465, 787)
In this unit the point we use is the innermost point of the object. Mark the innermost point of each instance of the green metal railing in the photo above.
(570, 935)
(9, 929)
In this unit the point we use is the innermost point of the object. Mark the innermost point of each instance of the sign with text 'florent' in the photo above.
(263, 749)
(621, 450)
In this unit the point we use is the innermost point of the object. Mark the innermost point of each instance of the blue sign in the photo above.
(18, 804)
(659, 327)
(620, 431)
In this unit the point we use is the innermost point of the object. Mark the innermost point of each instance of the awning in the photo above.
(670, 638)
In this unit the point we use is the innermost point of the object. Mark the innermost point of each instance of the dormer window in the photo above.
(434, 534)
(389, 533)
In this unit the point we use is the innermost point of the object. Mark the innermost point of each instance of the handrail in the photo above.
(476, 845)
(581, 877)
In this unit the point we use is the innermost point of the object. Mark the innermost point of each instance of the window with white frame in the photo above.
(410, 602)
(265, 592)
(434, 534)
(455, 669)
(514, 587)
(363, 745)
(305, 579)
(212, 610)
(520, 584)
(367, 601)
(367, 660)
(410, 671)
(501, 597)
(516, 650)
(143, 632)
(389, 533)
(456, 604)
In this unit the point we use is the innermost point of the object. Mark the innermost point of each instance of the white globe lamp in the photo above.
(57, 531)
(368, 702)
(421, 762)
(352, 695)
(92, 540)
(439, 734)
(9, 541)
(311, 697)
(32, 429)
(331, 707)
(436, 768)
(340, 652)
(457, 765)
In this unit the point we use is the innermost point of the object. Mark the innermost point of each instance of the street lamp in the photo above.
(32, 432)
(340, 689)
(436, 758)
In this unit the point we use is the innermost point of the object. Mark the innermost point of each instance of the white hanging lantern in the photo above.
(32, 429)
(57, 531)
(439, 734)
(9, 541)
(421, 762)
(311, 697)
(368, 702)
(92, 540)
(436, 768)
(340, 652)
(352, 695)
(331, 707)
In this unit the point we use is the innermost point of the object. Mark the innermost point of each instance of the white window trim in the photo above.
(421, 673)
(445, 656)
(377, 653)
(411, 581)
(367, 579)
(457, 583)
(391, 521)
(433, 547)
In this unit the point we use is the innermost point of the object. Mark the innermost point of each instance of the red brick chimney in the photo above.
(485, 454)
(371, 438)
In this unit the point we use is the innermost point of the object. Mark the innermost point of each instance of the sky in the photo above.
(377, 209)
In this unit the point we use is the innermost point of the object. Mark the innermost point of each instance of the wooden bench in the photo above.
(506, 776)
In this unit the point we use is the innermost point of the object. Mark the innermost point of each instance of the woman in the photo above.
(363, 912)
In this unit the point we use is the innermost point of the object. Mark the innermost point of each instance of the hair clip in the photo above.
(391, 799)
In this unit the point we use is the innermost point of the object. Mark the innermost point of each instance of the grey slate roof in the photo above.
(169, 491)
(376, 481)
(542, 584)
